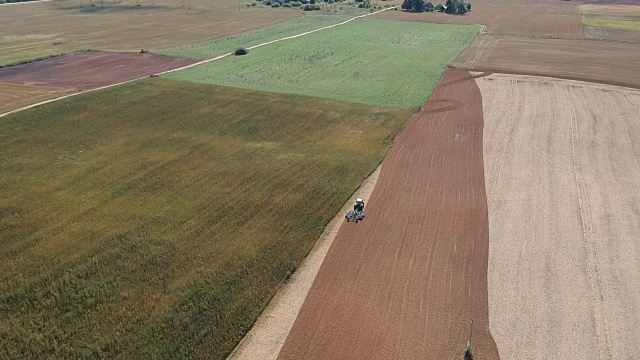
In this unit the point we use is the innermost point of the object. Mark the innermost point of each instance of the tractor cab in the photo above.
(358, 205)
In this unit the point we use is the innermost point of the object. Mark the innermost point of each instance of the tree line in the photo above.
(459, 7)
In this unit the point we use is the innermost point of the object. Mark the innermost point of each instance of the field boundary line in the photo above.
(272, 327)
(186, 66)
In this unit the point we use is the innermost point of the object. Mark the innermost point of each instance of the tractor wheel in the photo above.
(356, 221)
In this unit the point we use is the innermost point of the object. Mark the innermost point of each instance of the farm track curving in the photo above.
(406, 282)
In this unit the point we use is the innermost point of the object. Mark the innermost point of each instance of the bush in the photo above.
(439, 8)
(275, 5)
(468, 353)
(304, 1)
(295, 4)
(287, 5)
(468, 7)
(241, 51)
(312, 1)
(310, 7)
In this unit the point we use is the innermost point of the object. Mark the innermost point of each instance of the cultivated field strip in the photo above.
(537, 18)
(587, 60)
(406, 282)
(562, 165)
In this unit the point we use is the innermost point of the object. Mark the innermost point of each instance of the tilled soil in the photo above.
(90, 69)
(562, 165)
(596, 61)
(540, 18)
(406, 282)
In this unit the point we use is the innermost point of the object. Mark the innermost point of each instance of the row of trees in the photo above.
(450, 7)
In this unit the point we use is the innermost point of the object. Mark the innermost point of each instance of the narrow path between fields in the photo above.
(192, 65)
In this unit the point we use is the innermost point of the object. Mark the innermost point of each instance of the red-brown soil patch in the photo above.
(406, 282)
(587, 60)
(539, 18)
(91, 69)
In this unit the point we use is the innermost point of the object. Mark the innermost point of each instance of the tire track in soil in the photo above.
(406, 282)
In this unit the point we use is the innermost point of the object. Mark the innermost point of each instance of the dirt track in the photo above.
(562, 165)
(89, 69)
(588, 60)
(540, 18)
(405, 283)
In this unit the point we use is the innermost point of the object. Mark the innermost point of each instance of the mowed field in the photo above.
(539, 18)
(561, 168)
(364, 61)
(599, 61)
(42, 29)
(231, 187)
(13, 96)
(407, 281)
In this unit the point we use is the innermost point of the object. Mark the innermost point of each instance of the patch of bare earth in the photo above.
(562, 170)
(540, 18)
(588, 60)
(89, 69)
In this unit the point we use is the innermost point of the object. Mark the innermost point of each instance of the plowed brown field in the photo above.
(406, 282)
(588, 60)
(562, 165)
(91, 69)
(540, 18)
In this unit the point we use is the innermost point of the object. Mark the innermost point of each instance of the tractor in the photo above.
(357, 214)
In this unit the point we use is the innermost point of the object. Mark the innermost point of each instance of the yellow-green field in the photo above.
(626, 17)
(231, 186)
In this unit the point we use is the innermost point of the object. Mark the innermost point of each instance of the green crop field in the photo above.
(215, 47)
(370, 61)
(231, 186)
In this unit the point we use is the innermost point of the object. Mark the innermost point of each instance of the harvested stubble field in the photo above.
(597, 61)
(32, 31)
(539, 18)
(562, 169)
(223, 45)
(231, 186)
(406, 282)
(364, 61)
(13, 96)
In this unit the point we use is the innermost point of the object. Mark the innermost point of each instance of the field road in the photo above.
(405, 283)
(17, 74)
(562, 165)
